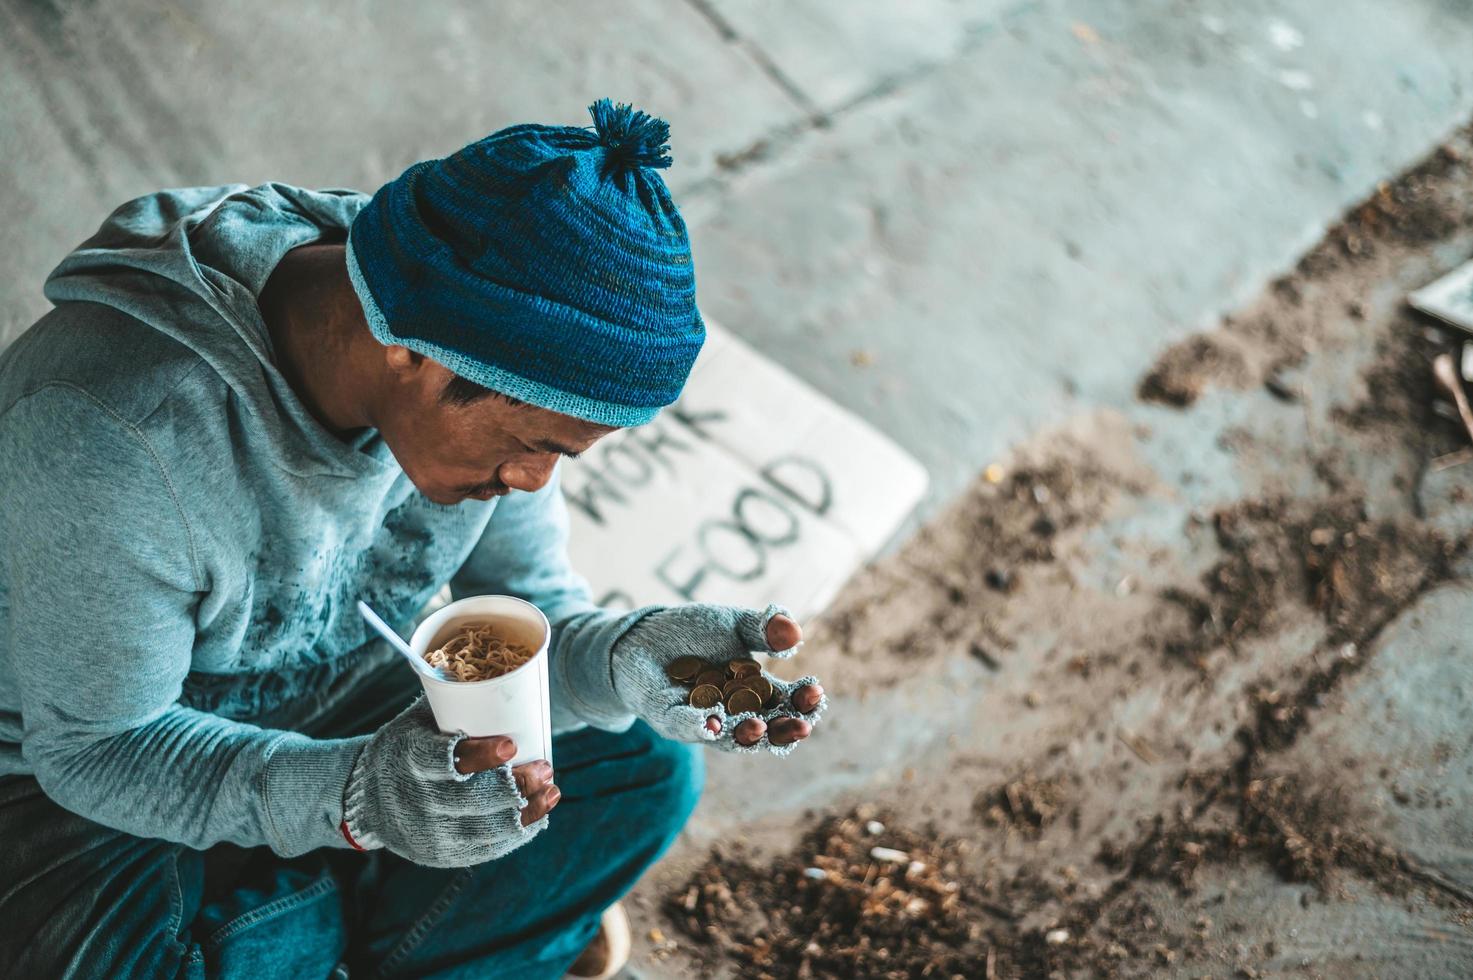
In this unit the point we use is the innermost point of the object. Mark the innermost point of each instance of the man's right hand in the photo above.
(443, 800)
(533, 779)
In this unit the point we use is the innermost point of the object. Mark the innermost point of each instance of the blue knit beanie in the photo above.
(544, 262)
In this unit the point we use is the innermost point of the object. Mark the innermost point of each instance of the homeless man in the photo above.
(251, 407)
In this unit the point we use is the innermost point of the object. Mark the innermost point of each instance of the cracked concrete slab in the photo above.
(1013, 235)
(837, 51)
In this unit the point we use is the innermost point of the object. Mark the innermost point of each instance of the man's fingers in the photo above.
(750, 731)
(786, 730)
(782, 633)
(539, 805)
(480, 754)
(533, 777)
(713, 725)
(806, 698)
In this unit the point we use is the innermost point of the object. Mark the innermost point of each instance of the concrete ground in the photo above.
(1192, 671)
(976, 223)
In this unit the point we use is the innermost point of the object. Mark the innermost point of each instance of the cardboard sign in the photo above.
(753, 488)
(1450, 298)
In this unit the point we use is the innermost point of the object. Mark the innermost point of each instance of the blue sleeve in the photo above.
(102, 585)
(524, 553)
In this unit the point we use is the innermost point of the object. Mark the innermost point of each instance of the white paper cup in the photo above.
(514, 704)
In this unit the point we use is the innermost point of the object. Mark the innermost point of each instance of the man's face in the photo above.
(474, 451)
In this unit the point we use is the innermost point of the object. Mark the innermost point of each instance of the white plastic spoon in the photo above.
(395, 640)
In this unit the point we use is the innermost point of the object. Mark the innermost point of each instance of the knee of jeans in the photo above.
(679, 772)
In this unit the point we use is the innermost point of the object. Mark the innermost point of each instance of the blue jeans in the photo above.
(78, 899)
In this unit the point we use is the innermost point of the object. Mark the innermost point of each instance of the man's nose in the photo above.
(528, 473)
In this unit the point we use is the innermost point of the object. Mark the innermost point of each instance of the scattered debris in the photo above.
(859, 919)
(1027, 804)
(1327, 551)
(1138, 745)
(1446, 375)
(1185, 370)
(1304, 836)
(1015, 524)
(1280, 389)
(978, 651)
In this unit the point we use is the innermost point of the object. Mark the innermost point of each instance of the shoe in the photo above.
(609, 950)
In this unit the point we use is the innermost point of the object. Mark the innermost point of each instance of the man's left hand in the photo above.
(716, 634)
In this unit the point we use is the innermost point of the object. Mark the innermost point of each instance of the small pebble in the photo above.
(989, 661)
(994, 473)
(888, 854)
(915, 867)
(1280, 389)
(874, 827)
(1056, 937)
(817, 874)
(1032, 699)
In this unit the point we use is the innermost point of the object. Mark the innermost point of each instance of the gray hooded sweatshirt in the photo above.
(182, 542)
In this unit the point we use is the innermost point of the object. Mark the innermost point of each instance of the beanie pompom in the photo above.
(631, 138)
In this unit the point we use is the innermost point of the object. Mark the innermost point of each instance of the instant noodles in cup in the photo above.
(515, 704)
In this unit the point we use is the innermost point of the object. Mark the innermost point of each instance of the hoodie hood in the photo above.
(191, 263)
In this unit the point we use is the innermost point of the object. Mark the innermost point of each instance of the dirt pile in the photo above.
(1302, 833)
(1027, 804)
(1185, 371)
(1325, 553)
(857, 897)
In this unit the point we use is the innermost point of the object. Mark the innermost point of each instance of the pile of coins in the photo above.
(737, 684)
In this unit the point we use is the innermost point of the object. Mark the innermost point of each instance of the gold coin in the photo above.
(683, 670)
(705, 696)
(732, 686)
(743, 667)
(711, 676)
(760, 686)
(744, 700)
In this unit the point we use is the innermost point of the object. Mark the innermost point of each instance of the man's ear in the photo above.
(402, 361)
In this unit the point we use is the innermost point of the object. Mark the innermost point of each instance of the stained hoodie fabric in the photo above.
(182, 543)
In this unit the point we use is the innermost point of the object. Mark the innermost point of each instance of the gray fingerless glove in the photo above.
(405, 795)
(713, 633)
